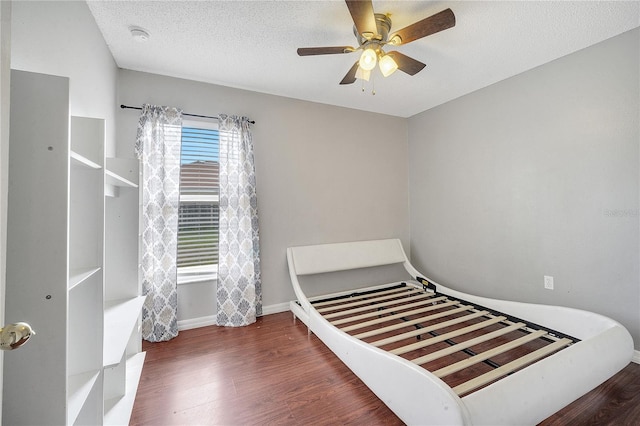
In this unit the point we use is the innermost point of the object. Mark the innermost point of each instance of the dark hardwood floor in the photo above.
(271, 373)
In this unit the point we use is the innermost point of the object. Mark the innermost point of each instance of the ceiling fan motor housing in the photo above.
(383, 26)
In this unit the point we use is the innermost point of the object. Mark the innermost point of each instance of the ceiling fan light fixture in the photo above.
(368, 35)
(373, 34)
(395, 40)
(368, 59)
(363, 74)
(387, 65)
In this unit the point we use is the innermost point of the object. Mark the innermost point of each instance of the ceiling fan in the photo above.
(372, 32)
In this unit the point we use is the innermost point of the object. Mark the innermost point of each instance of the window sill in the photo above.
(197, 274)
(199, 279)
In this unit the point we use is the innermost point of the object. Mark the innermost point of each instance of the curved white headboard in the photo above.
(344, 256)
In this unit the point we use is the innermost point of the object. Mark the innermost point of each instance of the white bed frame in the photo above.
(417, 396)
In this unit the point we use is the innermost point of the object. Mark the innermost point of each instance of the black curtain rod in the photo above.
(184, 113)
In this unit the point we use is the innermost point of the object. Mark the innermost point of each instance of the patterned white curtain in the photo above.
(158, 146)
(239, 294)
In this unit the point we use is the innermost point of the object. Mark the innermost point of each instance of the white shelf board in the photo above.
(125, 169)
(120, 318)
(79, 387)
(81, 160)
(77, 276)
(115, 179)
(117, 411)
(110, 190)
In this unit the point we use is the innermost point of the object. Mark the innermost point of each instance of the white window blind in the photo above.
(199, 196)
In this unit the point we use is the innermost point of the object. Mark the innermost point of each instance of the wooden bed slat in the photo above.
(467, 343)
(357, 297)
(509, 367)
(450, 369)
(414, 333)
(442, 337)
(386, 311)
(413, 322)
(373, 300)
(400, 315)
(355, 310)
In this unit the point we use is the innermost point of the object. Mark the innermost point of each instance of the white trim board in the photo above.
(636, 357)
(188, 324)
(275, 309)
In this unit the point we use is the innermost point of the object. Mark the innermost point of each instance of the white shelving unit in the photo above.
(77, 276)
(120, 317)
(122, 359)
(119, 408)
(80, 387)
(120, 173)
(73, 282)
(80, 161)
(86, 252)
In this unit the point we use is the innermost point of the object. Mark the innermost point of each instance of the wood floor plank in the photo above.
(616, 402)
(271, 373)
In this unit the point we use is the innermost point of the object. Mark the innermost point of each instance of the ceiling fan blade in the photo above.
(431, 25)
(363, 17)
(351, 75)
(406, 64)
(308, 51)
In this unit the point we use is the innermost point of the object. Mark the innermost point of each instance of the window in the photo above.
(199, 197)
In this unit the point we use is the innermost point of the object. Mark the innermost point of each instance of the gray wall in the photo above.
(536, 175)
(62, 38)
(324, 174)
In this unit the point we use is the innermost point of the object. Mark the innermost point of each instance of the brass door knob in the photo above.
(15, 335)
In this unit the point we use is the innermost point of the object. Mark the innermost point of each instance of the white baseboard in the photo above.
(636, 357)
(275, 309)
(188, 324)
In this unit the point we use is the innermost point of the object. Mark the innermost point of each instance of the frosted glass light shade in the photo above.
(363, 74)
(387, 65)
(368, 59)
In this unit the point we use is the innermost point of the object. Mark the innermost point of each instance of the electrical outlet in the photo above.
(548, 282)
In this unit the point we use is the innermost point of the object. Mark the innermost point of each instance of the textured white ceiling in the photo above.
(252, 44)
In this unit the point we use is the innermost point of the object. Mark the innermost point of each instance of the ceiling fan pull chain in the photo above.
(373, 85)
